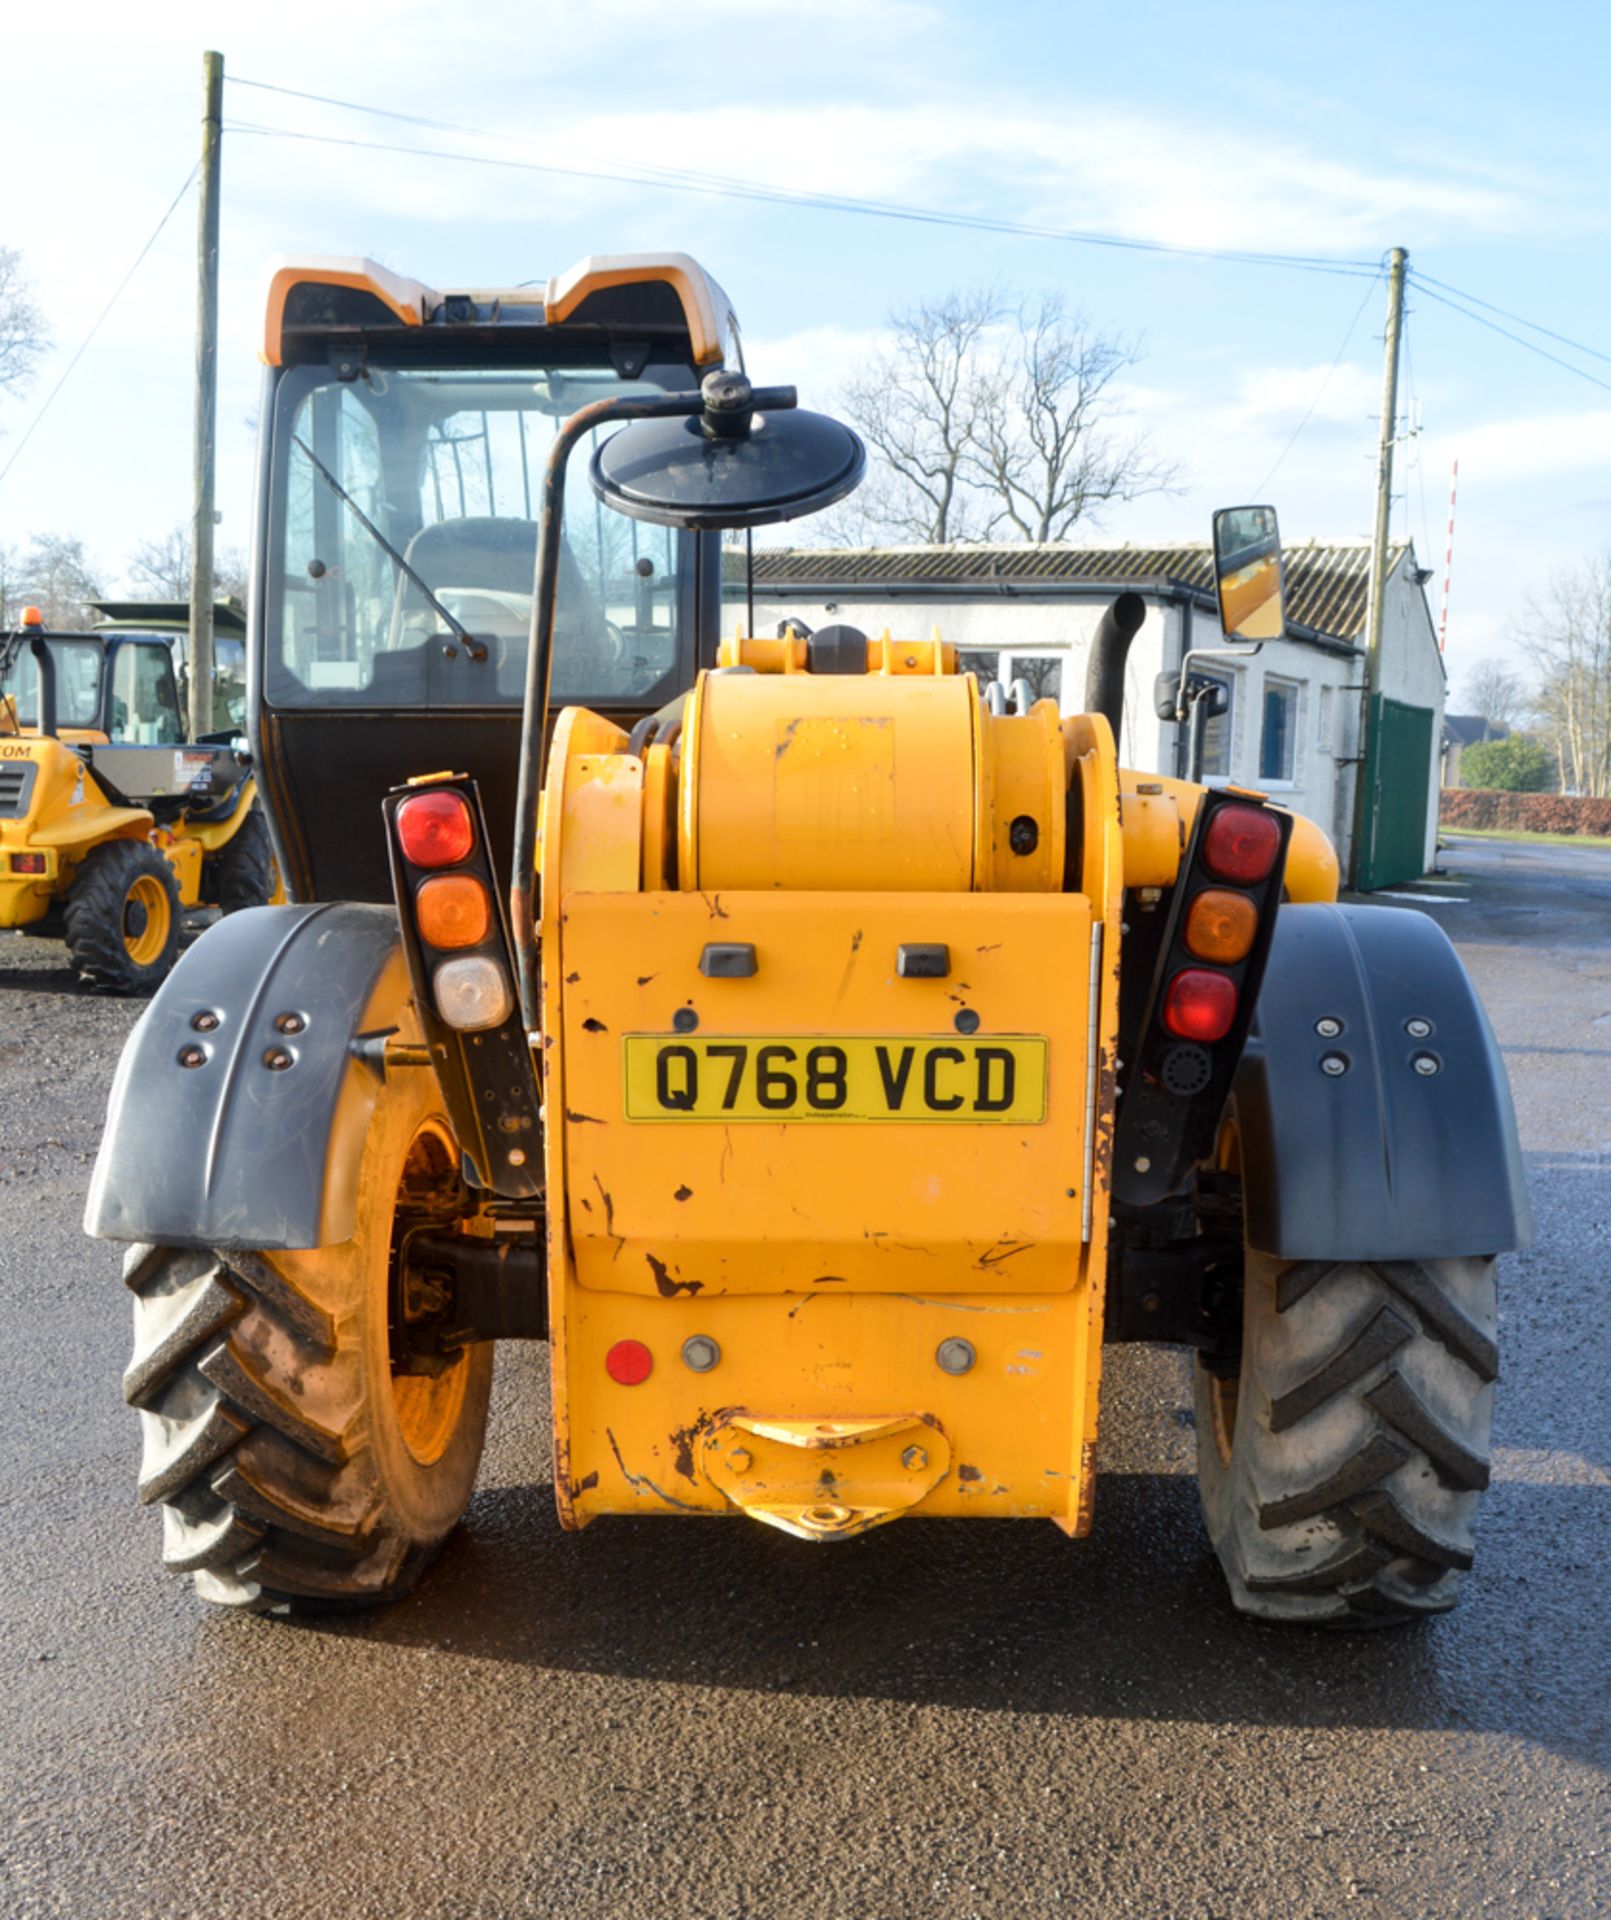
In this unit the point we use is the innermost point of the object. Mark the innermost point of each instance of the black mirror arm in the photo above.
(540, 651)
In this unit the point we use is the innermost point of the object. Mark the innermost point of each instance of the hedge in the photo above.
(1523, 812)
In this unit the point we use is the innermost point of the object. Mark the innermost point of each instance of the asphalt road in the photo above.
(714, 1721)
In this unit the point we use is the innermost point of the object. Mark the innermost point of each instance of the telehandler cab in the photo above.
(112, 823)
(822, 1053)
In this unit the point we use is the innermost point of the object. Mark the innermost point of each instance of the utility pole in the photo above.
(201, 527)
(1378, 555)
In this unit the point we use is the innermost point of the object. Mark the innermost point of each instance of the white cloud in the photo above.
(1528, 447)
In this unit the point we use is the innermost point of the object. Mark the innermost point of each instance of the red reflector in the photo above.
(27, 863)
(435, 829)
(1241, 844)
(1199, 1005)
(629, 1363)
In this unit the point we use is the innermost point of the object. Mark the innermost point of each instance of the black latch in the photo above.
(728, 960)
(920, 962)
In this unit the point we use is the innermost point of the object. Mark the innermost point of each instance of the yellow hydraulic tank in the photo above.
(899, 783)
(834, 782)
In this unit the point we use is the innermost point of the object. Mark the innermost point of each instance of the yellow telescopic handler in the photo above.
(113, 824)
(826, 1055)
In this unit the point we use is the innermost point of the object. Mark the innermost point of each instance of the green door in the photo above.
(1398, 775)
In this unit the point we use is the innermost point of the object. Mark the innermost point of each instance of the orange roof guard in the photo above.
(712, 327)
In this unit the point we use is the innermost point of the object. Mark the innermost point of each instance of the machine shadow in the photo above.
(1130, 1624)
(58, 980)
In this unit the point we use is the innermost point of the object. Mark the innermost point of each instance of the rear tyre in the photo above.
(297, 1467)
(121, 920)
(1342, 1464)
(243, 872)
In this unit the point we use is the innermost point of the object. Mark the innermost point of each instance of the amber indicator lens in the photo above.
(1199, 1005)
(629, 1363)
(435, 829)
(1241, 844)
(452, 910)
(1220, 925)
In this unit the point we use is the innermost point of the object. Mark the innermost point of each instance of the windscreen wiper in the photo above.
(472, 646)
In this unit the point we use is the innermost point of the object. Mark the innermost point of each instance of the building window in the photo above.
(983, 661)
(1279, 739)
(1043, 671)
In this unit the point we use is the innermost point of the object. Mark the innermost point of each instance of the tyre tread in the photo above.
(1383, 1497)
(237, 1467)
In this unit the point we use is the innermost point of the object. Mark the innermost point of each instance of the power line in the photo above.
(67, 370)
(1531, 345)
(1459, 292)
(722, 186)
(1319, 393)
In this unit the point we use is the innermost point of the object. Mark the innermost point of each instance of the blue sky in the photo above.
(1476, 137)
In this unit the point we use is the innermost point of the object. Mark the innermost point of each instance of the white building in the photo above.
(1293, 725)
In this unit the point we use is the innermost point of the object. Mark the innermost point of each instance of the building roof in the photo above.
(1327, 583)
(1471, 729)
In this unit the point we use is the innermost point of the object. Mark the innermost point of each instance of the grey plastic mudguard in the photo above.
(233, 1152)
(1388, 1159)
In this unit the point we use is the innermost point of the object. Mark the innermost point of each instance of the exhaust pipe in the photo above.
(1104, 674)
(45, 666)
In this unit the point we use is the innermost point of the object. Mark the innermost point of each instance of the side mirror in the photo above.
(1248, 573)
(746, 457)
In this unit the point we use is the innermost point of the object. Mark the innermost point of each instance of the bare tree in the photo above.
(24, 337)
(914, 405)
(162, 568)
(56, 576)
(1042, 442)
(1497, 694)
(995, 416)
(11, 602)
(1571, 648)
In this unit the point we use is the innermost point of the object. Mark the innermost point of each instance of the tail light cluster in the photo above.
(1184, 1054)
(453, 910)
(461, 967)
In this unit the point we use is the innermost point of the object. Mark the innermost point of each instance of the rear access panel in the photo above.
(762, 1095)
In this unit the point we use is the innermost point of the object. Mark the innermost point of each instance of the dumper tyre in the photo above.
(1341, 1465)
(297, 1471)
(243, 871)
(122, 917)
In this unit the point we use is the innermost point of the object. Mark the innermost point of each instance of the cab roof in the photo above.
(643, 293)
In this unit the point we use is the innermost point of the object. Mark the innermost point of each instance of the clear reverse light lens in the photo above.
(473, 993)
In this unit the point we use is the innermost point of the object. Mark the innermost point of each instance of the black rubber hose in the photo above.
(1104, 674)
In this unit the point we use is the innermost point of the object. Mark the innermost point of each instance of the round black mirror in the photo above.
(748, 459)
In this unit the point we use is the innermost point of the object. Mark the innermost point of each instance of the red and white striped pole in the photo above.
(1448, 559)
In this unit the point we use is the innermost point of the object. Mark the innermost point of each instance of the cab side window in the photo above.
(145, 703)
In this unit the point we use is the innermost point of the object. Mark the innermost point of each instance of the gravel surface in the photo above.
(702, 1720)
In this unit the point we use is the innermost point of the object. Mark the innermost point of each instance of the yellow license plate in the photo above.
(795, 1077)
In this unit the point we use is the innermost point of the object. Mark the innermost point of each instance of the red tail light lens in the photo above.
(435, 829)
(1241, 844)
(27, 863)
(629, 1363)
(1199, 1005)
